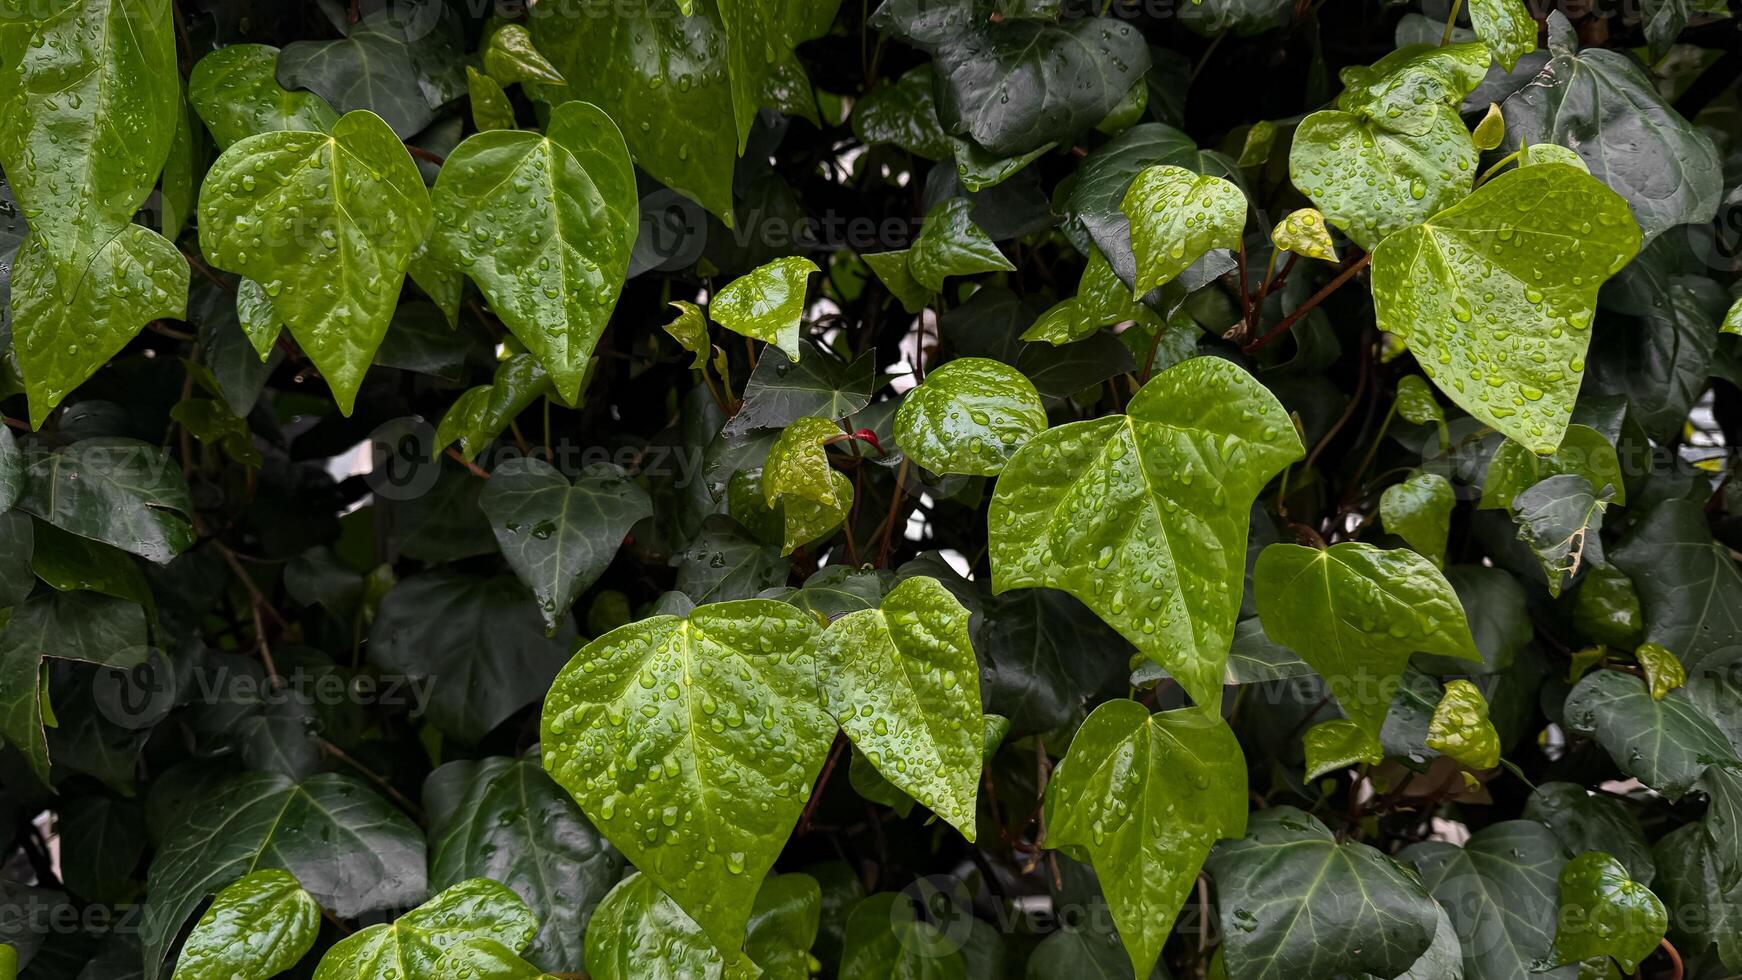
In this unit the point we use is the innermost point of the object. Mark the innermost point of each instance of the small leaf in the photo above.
(1561, 520)
(1338, 744)
(328, 225)
(767, 304)
(892, 270)
(951, 244)
(1304, 233)
(1491, 131)
(660, 693)
(1663, 671)
(1152, 504)
(1419, 510)
(557, 536)
(690, 330)
(1302, 906)
(969, 416)
(1415, 402)
(639, 932)
(798, 464)
(1508, 29)
(1539, 240)
(1460, 727)
(413, 944)
(1145, 796)
(490, 106)
(510, 56)
(903, 683)
(1176, 216)
(1583, 452)
(235, 90)
(480, 414)
(1101, 301)
(804, 520)
(256, 928)
(1605, 913)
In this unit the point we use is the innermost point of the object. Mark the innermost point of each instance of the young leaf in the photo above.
(903, 683)
(61, 339)
(1604, 913)
(690, 330)
(1662, 670)
(638, 931)
(1394, 151)
(505, 820)
(767, 304)
(1304, 233)
(490, 106)
(89, 94)
(480, 414)
(544, 226)
(1338, 744)
(951, 244)
(1419, 510)
(798, 464)
(893, 271)
(1356, 613)
(1506, 27)
(559, 536)
(1302, 905)
(1176, 216)
(256, 928)
(235, 90)
(1460, 727)
(1146, 796)
(328, 224)
(969, 416)
(804, 520)
(1143, 516)
(1101, 301)
(510, 56)
(1539, 241)
(348, 847)
(486, 959)
(1501, 890)
(412, 946)
(724, 705)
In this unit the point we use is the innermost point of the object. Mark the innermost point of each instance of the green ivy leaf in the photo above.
(1176, 216)
(256, 928)
(61, 339)
(767, 304)
(1101, 301)
(411, 947)
(328, 224)
(235, 90)
(1604, 913)
(1539, 240)
(255, 315)
(903, 112)
(544, 226)
(490, 106)
(724, 705)
(1491, 131)
(1460, 727)
(951, 244)
(1338, 744)
(1154, 504)
(559, 536)
(1301, 905)
(1356, 613)
(1583, 451)
(1506, 27)
(1690, 879)
(969, 416)
(1663, 671)
(780, 392)
(399, 62)
(1502, 893)
(82, 146)
(639, 932)
(480, 414)
(505, 820)
(118, 491)
(511, 56)
(480, 643)
(1303, 232)
(667, 73)
(1666, 743)
(798, 464)
(804, 520)
(1145, 796)
(1586, 821)
(348, 847)
(1605, 107)
(81, 626)
(1395, 150)
(893, 272)
(486, 959)
(1561, 519)
(725, 562)
(888, 939)
(690, 330)
(1419, 510)
(903, 683)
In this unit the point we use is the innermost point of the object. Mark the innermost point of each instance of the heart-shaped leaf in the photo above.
(767, 303)
(1143, 516)
(236, 92)
(412, 946)
(1501, 890)
(1604, 913)
(724, 706)
(328, 224)
(1419, 510)
(256, 928)
(544, 226)
(1496, 293)
(1176, 216)
(969, 416)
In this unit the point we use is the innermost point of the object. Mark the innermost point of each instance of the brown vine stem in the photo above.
(374, 777)
(810, 807)
(1283, 326)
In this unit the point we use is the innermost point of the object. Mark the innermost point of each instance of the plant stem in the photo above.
(1282, 327)
(1451, 22)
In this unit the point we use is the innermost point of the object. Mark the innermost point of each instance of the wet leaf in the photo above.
(254, 929)
(969, 416)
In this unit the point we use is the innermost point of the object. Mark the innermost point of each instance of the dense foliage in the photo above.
(928, 488)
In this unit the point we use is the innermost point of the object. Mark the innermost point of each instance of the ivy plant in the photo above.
(927, 488)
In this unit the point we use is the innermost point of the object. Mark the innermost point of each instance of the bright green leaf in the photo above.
(1304, 233)
(951, 244)
(1176, 216)
(1605, 913)
(510, 56)
(1663, 671)
(256, 928)
(1338, 744)
(1506, 27)
(410, 947)
(1419, 510)
(969, 416)
(767, 304)
(798, 463)
(236, 92)
(690, 330)
(1461, 729)
(1583, 452)
(490, 106)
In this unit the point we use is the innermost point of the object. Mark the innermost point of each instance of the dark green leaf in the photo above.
(1502, 892)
